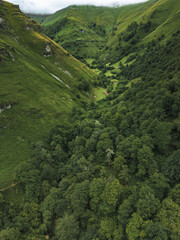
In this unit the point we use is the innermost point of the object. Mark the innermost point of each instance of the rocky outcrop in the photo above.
(47, 51)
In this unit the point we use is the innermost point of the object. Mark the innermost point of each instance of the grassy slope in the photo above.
(83, 41)
(164, 16)
(103, 16)
(38, 99)
(83, 28)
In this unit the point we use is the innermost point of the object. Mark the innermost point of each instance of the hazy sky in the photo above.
(51, 6)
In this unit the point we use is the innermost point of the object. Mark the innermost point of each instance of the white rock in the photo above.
(48, 48)
(56, 77)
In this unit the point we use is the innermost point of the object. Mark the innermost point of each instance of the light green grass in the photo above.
(89, 61)
(109, 73)
(96, 70)
(116, 65)
(99, 93)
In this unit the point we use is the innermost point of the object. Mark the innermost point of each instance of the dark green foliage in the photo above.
(100, 30)
(113, 173)
(67, 228)
(51, 30)
(171, 167)
(155, 231)
(108, 175)
(147, 205)
(10, 234)
(84, 85)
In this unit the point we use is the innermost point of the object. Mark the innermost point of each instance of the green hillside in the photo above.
(105, 158)
(39, 86)
(86, 31)
(141, 23)
(82, 30)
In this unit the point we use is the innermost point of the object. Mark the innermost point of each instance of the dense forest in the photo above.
(112, 172)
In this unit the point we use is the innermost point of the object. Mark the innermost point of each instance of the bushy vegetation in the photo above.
(53, 29)
(113, 171)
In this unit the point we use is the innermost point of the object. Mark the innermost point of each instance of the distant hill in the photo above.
(109, 168)
(39, 86)
(82, 30)
(87, 30)
(38, 17)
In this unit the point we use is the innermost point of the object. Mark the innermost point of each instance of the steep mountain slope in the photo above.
(85, 30)
(113, 171)
(40, 84)
(141, 23)
(82, 30)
